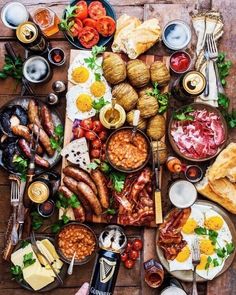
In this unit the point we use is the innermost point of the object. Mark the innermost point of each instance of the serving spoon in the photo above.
(70, 268)
(113, 104)
(135, 124)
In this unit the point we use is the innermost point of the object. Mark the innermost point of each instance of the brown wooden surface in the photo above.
(129, 282)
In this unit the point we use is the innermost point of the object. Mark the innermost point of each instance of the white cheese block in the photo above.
(18, 256)
(45, 251)
(50, 248)
(57, 264)
(37, 276)
(68, 212)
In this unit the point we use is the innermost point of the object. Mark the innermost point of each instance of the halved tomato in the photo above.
(75, 29)
(96, 10)
(106, 26)
(89, 22)
(88, 37)
(82, 10)
(78, 22)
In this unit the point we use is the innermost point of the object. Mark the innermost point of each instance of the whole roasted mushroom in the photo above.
(138, 73)
(114, 68)
(159, 73)
(125, 95)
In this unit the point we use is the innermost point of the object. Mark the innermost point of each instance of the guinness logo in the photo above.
(107, 269)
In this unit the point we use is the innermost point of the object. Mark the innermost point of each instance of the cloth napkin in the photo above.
(209, 22)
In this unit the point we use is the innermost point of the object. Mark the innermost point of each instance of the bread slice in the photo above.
(228, 201)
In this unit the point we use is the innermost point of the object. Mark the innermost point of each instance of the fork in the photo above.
(213, 55)
(38, 253)
(15, 198)
(195, 261)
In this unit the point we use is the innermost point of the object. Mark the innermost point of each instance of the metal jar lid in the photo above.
(194, 83)
(27, 32)
(113, 239)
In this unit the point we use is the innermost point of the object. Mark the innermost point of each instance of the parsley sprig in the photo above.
(118, 180)
(92, 61)
(21, 165)
(63, 202)
(12, 68)
(28, 259)
(183, 114)
(162, 98)
(98, 104)
(55, 228)
(223, 67)
(67, 22)
(97, 163)
(57, 140)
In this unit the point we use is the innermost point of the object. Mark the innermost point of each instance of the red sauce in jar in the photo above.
(180, 62)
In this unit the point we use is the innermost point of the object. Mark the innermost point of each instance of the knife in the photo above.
(21, 210)
(157, 195)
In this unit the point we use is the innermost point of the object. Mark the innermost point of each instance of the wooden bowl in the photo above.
(199, 106)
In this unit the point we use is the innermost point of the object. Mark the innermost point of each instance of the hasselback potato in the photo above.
(145, 90)
(156, 127)
(114, 68)
(125, 95)
(138, 73)
(147, 105)
(142, 124)
(162, 151)
(159, 73)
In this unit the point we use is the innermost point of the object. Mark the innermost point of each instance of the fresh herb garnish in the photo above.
(99, 103)
(110, 211)
(162, 98)
(67, 22)
(63, 202)
(12, 68)
(24, 244)
(225, 251)
(209, 260)
(183, 114)
(215, 262)
(97, 76)
(230, 248)
(55, 228)
(118, 180)
(21, 166)
(223, 67)
(57, 140)
(221, 252)
(28, 259)
(223, 101)
(230, 118)
(16, 273)
(201, 231)
(97, 163)
(205, 232)
(37, 220)
(92, 61)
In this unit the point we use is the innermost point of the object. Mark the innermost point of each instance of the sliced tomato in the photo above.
(78, 22)
(82, 10)
(89, 22)
(75, 29)
(96, 10)
(106, 26)
(88, 37)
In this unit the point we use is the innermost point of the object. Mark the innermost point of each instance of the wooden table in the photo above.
(129, 282)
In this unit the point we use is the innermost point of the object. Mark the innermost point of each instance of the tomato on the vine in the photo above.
(124, 256)
(137, 245)
(128, 247)
(133, 254)
(96, 143)
(95, 153)
(129, 263)
(102, 135)
(87, 123)
(97, 126)
(90, 135)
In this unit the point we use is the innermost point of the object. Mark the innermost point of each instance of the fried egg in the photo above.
(206, 268)
(196, 219)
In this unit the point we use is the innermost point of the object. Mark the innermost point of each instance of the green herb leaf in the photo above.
(21, 166)
(16, 273)
(93, 165)
(215, 262)
(201, 231)
(105, 167)
(98, 104)
(223, 101)
(213, 236)
(110, 211)
(118, 180)
(73, 201)
(221, 252)
(162, 98)
(37, 220)
(230, 248)
(223, 67)
(97, 76)
(183, 114)
(209, 260)
(23, 244)
(59, 130)
(28, 259)
(55, 228)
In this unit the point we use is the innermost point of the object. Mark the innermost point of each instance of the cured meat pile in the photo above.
(170, 238)
(201, 137)
(136, 204)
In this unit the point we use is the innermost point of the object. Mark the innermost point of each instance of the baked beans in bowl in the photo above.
(76, 237)
(127, 155)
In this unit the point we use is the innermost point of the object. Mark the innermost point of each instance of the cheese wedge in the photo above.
(57, 264)
(50, 248)
(18, 256)
(45, 251)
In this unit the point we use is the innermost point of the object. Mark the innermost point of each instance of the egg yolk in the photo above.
(80, 74)
(189, 226)
(206, 247)
(203, 262)
(98, 88)
(184, 254)
(84, 102)
(214, 223)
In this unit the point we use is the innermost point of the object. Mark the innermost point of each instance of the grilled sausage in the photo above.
(80, 175)
(86, 191)
(23, 131)
(44, 139)
(71, 184)
(79, 211)
(101, 183)
(47, 122)
(24, 146)
(33, 112)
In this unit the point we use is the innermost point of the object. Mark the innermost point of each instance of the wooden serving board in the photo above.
(68, 135)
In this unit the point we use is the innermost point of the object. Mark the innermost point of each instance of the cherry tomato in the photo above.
(75, 29)
(129, 263)
(95, 153)
(96, 143)
(106, 26)
(90, 135)
(88, 37)
(97, 126)
(82, 10)
(78, 133)
(133, 254)
(87, 124)
(137, 245)
(102, 135)
(104, 146)
(124, 256)
(96, 10)
(128, 247)
(89, 22)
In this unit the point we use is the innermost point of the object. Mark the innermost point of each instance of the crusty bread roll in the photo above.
(142, 38)
(228, 202)
(124, 25)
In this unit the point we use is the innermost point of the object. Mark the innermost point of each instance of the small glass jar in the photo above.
(112, 118)
(154, 273)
